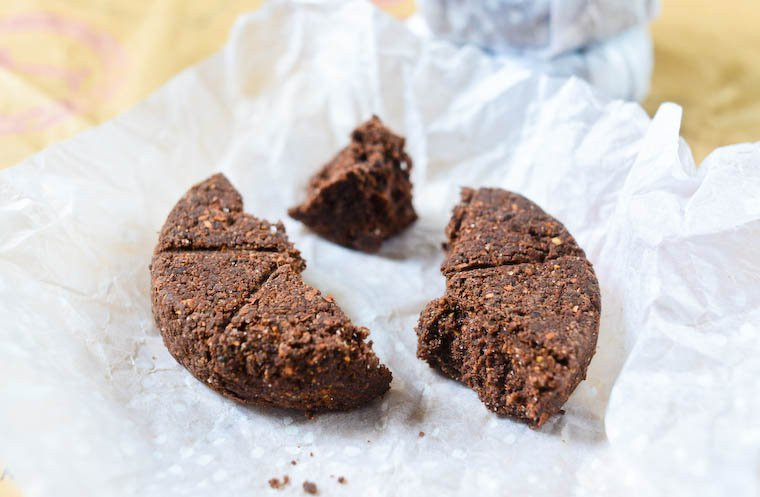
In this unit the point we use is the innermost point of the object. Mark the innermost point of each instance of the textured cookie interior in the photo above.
(362, 196)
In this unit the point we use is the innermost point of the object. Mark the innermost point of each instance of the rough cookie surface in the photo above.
(363, 196)
(231, 306)
(494, 227)
(289, 346)
(210, 216)
(520, 317)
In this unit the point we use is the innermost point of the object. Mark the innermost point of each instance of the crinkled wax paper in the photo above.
(91, 403)
(542, 27)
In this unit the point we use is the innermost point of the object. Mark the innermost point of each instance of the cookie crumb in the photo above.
(277, 484)
(342, 480)
(311, 454)
(293, 462)
(310, 488)
(421, 434)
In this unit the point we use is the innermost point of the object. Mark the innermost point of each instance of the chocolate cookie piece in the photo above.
(291, 347)
(231, 307)
(210, 216)
(520, 317)
(521, 336)
(493, 227)
(363, 196)
(195, 295)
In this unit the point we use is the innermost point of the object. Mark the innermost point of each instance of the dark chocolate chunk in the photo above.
(362, 196)
(519, 324)
(232, 308)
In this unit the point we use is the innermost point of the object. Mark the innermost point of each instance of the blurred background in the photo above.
(67, 65)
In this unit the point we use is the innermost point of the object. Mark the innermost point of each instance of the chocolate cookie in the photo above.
(520, 317)
(362, 196)
(232, 308)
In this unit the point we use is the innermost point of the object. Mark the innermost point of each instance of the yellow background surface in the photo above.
(66, 65)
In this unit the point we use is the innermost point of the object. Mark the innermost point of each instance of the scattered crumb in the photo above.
(293, 462)
(277, 484)
(311, 454)
(310, 488)
(342, 480)
(421, 434)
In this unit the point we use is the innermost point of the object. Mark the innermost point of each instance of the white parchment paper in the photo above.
(91, 403)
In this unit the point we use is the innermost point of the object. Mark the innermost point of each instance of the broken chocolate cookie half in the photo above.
(232, 308)
(363, 196)
(519, 320)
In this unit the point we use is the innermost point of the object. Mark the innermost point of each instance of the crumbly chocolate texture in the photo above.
(289, 346)
(232, 308)
(494, 227)
(196, 294)
(210, 217)
(518, 324)
(363, 196)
